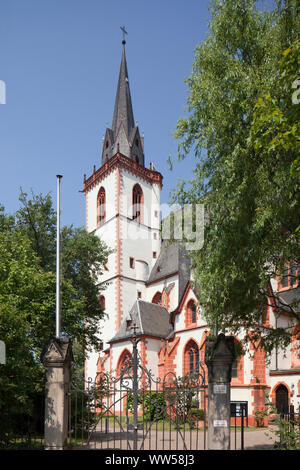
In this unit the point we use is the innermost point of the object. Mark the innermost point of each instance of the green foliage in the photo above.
(259, 416)
(275, 136)
(83, 258)
(195, 415)
(153, 404)
(25, 309)
(180, 396)
(285, 429)
(288, 434)
(28, 300)
(243, 128)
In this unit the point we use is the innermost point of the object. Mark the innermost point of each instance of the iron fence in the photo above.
(134, 410)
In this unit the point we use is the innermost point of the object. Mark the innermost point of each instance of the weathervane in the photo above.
(122, 28)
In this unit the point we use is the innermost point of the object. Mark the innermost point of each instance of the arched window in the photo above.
(290, 275)
(156, 298)
(137, 201)
(191, 312)
(124, 362)
(191, 359)
(101, 211)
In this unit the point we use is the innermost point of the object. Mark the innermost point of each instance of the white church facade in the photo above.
(148, 281)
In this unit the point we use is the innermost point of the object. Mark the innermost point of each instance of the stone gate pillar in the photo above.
(219, 356)
(57, 357)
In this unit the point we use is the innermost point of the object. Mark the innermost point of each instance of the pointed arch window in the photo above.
(191, 360)
(101, 207)
(156, 298)
(124, 363)
(191, 312)
(137, 201)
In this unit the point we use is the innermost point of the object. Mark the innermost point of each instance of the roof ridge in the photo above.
(139, 313)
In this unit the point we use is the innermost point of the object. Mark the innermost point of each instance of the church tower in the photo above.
(123, 209)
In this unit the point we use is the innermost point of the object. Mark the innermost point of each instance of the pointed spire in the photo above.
(124, 136)
(123, 111)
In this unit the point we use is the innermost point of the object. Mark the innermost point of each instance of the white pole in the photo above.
(58, 306)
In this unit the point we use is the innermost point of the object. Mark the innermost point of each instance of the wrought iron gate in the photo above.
(134, 410)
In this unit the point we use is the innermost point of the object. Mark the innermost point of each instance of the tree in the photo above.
(26, 309)
(83, 258)
(250, 195)
(275, 129)
(28, 300)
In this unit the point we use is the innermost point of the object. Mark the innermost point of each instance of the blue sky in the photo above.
(60, 61)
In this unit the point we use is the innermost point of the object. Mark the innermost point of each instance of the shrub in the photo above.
(153, 404)
(194, 415)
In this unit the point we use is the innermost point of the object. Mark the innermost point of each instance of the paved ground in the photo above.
(254, 439)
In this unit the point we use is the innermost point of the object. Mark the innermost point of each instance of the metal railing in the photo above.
(134, 410)
(240, 418)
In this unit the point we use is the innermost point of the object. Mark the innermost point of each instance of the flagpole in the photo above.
(58, 261)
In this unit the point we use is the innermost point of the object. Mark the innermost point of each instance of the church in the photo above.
(148, 280)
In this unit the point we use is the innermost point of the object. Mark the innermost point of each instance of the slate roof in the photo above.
(288, 300)
(123, 106)
(150, 319)
(172, 259)
(166, 263)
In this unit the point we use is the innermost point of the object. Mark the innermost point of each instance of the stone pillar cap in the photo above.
(57, 351)
(219, 348)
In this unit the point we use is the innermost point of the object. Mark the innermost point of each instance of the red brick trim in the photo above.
(121, 161)
(119, 257)
(140, 336)
(259, 362)
(101, 207)
(185, 358)
(182, 300)
(284, 372)
(192, 328)
(167, 357)
(273, 392)
(188, 315)
(110, 358)
(258, 372)
(125, 353)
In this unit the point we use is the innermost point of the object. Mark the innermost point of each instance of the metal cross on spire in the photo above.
(122, 28)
